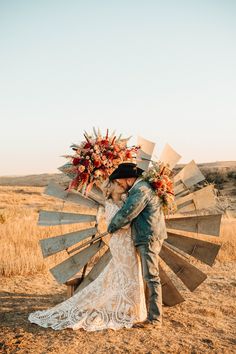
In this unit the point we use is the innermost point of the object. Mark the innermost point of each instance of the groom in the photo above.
(143, 210)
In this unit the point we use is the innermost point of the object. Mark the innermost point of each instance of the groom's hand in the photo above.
(111, 229)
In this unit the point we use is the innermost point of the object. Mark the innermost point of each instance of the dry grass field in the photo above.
(204, 323)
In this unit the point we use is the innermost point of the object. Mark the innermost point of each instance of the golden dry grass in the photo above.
(20, 234)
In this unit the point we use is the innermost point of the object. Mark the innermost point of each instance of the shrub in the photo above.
(233, 192)
(231, 174)
(216, 178)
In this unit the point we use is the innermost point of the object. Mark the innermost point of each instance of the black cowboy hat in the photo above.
(126, 170)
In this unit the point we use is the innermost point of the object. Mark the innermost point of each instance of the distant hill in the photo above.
(41, 180)
(213, 165)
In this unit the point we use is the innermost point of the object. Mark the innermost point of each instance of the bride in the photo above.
(115, 299)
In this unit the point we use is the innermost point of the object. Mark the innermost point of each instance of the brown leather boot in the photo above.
(148, 324)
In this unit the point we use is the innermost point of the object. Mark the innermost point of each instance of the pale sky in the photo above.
(164, 70)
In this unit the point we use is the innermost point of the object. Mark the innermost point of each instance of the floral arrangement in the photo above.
(95, 159)
(159, 176)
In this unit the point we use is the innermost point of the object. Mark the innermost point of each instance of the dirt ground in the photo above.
(204, 323)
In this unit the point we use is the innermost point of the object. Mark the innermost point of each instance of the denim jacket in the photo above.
(143, 210)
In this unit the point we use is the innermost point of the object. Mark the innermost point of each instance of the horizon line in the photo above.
(178, 164)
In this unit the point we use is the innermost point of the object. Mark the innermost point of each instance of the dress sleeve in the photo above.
(110, 210)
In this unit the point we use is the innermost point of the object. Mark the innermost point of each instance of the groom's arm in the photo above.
(134, 204)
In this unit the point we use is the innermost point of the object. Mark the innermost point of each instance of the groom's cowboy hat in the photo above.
(126, 170)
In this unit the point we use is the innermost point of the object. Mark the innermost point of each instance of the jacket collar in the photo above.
(136, 182)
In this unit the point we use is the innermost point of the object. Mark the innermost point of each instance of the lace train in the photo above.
(114, 300)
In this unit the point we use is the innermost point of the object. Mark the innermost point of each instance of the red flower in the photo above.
(73, 184)
(157, 184)
(87, 145)
(85, 162)
(97, 163)
(76, 161)
(105, 142)
(109, 155)
(84, 176)
(116, 148)
(129, 154)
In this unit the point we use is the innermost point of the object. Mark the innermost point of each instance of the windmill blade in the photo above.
(202, 250)
(170, 156)
(144, 155)
(67, 169)
(180, 190)
(95, 238)
(67, 269)
(97, 195)
(52, 245)
(202, 199)
(96, 270)
(55, 190)
(49, 218)
(187, 177)
(170, 295)
(189, 275)
(202, 224)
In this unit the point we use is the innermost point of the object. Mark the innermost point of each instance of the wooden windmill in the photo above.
(177, 249)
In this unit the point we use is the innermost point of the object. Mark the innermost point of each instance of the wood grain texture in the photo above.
(204, 251)
(55, 190)
(59, 243)
(170, 295)
(191, 276)
(71, 266)
(203, 224)
(49, 218)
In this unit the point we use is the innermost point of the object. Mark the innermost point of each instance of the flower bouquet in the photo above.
(159, 176)
(95, 159)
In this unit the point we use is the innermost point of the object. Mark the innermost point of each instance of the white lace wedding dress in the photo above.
(115, 299)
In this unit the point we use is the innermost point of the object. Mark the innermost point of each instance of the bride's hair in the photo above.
(112, 191)
(108, 188)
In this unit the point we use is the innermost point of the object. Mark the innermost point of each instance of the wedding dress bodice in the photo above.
(115, 299)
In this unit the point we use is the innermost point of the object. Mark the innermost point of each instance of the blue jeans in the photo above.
(149, 254)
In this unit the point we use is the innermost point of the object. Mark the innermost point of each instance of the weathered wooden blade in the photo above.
(68, 170)
(97, 195)
(169, 156)
(170, 295)
(180, 189)
(189, 176)
(59, 218)
(202, 250)
(57, 191)
(202, 224)
(95, 238)
(182, 194)
(202, 199)
(144, 154)
(190, 275)
(96, 270)
(57, 244)
(67, 269)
